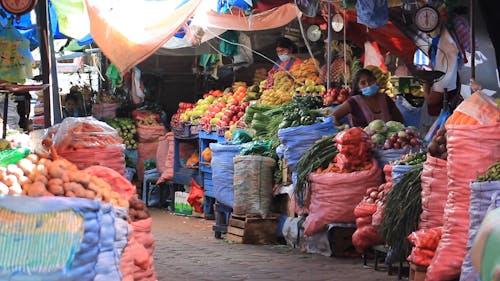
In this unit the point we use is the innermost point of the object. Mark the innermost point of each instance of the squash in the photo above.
(207, 154)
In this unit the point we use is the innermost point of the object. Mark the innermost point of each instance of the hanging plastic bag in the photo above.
(15, 62)
(372, 13)
(195, 196)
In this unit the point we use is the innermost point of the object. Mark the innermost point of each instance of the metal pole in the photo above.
(5, 111)
(329, 47)
(473, 39)
(41, 15)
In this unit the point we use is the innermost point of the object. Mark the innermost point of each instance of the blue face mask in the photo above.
(284, 57)
(370, 90)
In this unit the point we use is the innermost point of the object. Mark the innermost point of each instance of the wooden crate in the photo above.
(417, 272)
(253, 229)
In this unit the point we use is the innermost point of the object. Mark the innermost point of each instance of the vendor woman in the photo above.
(285, 49)
(366, 103)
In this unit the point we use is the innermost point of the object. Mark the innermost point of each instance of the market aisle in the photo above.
(187, 250)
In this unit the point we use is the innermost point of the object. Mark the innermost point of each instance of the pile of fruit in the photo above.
(36, 176)
(275, 97)
(492, 174)
(383, 80)
(176, 118)
(193, 114)
(150, 120)
(106, 97)
(393, 135)
(282, 81)
(354, 152)
(307, 70)
(310, 88)
(335, 96)
(126, 130)
(437, 146)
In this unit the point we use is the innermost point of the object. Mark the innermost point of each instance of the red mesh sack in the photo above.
(165, 157)
(195, 196)
(137, 257)
(434, 192)
(335, 196)
(471, 149)
(150, 133)
(365, 237)
(111, 157)
(117, 182)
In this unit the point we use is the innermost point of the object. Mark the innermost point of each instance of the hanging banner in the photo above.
(129, 31)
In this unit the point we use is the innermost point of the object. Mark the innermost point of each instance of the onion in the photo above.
(441, 148)
(370, 200)
(374, 194)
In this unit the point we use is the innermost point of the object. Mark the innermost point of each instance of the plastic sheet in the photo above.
(434, 192)
(335, 196)
(223, 171)
(297, 140)
(253, 184)
(485, 195)
(398, 171)
(483, 149)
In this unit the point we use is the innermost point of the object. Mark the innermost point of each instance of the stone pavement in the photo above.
(187, 250)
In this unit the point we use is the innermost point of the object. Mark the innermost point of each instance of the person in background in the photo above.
(71, 107)
(285, 50)
(366, 103)
(434, 102)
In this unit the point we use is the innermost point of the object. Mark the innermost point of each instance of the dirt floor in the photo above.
(187, 250)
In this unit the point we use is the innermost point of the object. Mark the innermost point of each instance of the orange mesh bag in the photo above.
(145, 151)
(165, 157)
(434, 192)
(334, 196)
(471, 150)
(117, 182)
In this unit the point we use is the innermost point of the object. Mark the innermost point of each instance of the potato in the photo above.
(56, 189)
(10, 180)
(90, 194)
(79, 177)
(123, 203)
(56, 181)
(33, 158)
(36, 189)
(15, 189)
(55, 171)
(24, 180)
(26, 165)
(41, 178)
(4, 189)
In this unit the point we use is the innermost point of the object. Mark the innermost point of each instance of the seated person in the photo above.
(285, 49)
(71, 107)
(366, 103)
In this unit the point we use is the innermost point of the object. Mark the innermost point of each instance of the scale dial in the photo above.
(427, 19)
(18, 7)
(337, 22)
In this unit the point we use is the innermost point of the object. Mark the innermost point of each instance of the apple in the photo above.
(240, 114)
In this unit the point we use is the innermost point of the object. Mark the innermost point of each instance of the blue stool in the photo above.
(149, 184)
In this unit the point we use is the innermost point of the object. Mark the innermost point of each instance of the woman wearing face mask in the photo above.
(366, 103)
(285, 49)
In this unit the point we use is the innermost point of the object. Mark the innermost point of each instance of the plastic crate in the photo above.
(185, 130)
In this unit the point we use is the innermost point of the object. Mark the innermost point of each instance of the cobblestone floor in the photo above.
(187, 250)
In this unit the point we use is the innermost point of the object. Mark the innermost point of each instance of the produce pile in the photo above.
(300, 111)
(383, 80)
(412, 158)
(354, 152)
(38, 176)
(126, 130)
(425, 243)
(393, 135)
(137, 210)
(492, 174)
(76, 133)
(310, 88)
(176, 118)
(275, 96)
(437, 146)
(335, 96)
(307, 70)
(402, 210)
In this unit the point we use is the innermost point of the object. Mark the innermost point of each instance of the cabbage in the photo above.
(394, 126)
(377, 126)
(379, 139)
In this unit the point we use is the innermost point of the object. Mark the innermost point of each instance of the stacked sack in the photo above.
(137, 257)
(367, 222)
(149, 132)
(337, 190)
(476, 118)
(87, 142)
(76, 228)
